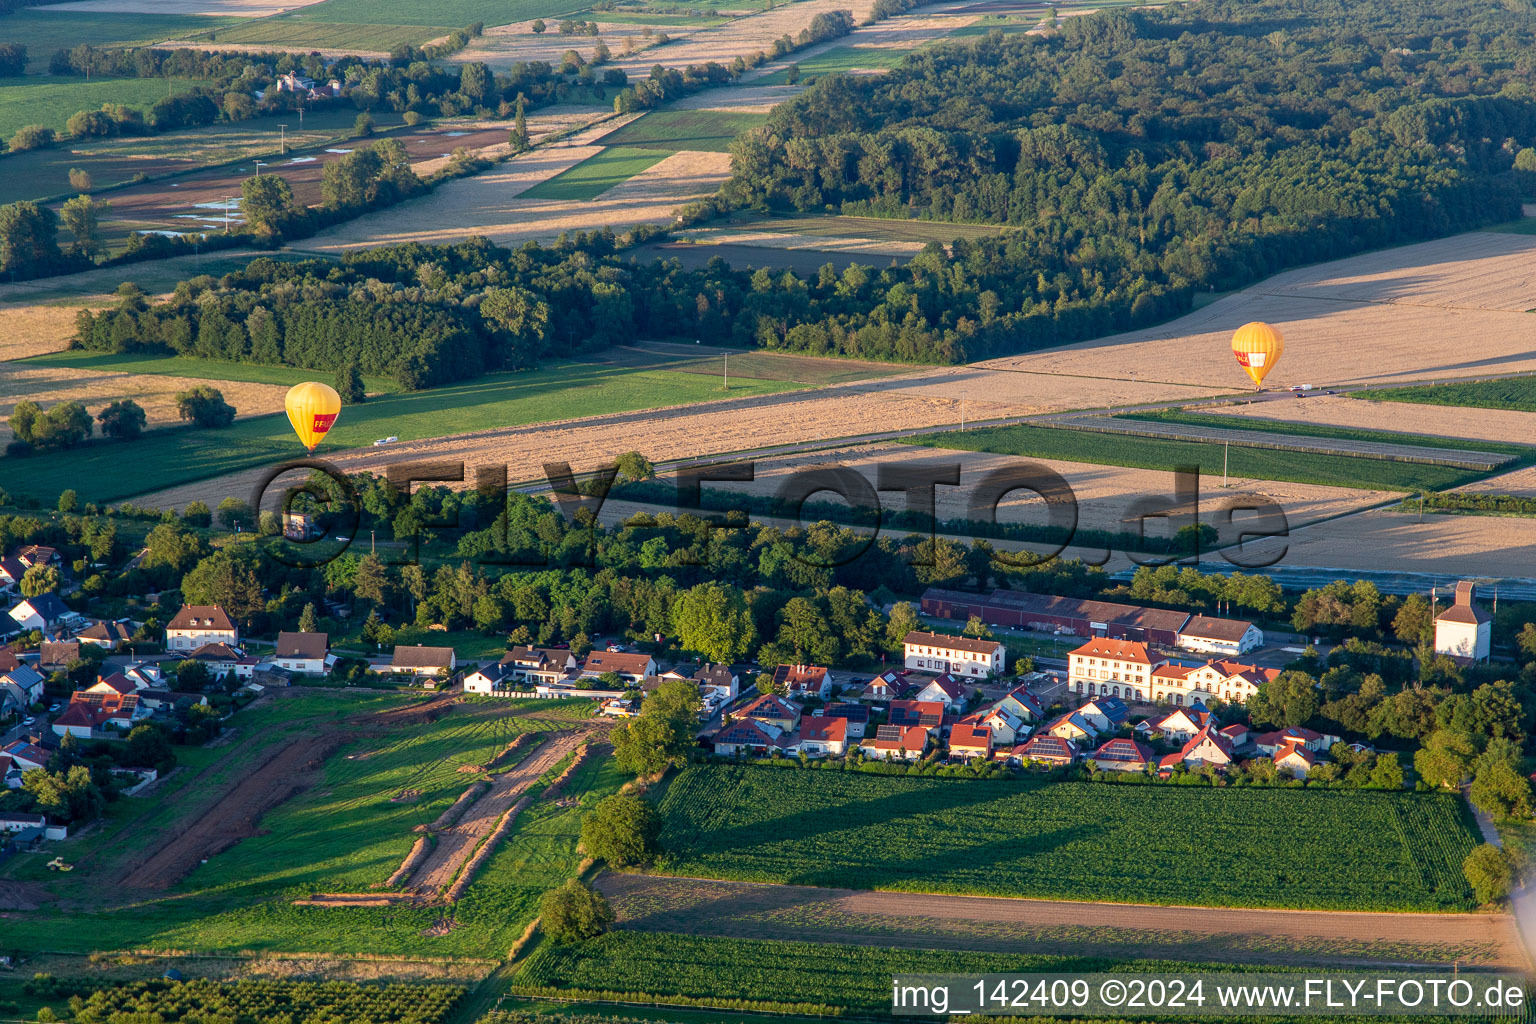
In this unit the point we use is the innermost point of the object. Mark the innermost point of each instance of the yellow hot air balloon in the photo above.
(1258, 347)
(312, 408)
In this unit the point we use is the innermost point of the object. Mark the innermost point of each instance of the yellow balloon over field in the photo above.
(312, 408)
(1258, 347)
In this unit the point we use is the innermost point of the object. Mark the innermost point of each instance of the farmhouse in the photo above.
(896, 743)
(945, 689)
(1049, 614)
(1208, 634)
(44, 612)
(423, 661)
(631, 668)
(957, 655)
(305, 653)
(1464, 630)
(802, 681)
(970, 741)
(1112, 668)
(1047, 749)
(823, 737)
(1123, 755)
(195, 625)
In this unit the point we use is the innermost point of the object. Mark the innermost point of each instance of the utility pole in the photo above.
(1226, 447)
(727, 371)
(962, 415)
(283, 146)
(227, 201)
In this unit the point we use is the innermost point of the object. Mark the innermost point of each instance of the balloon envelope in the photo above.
(312, 408)
(1258, 347)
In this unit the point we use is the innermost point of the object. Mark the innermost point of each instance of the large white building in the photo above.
(1464, 631)
(1207, 634)
(199, 624)
(957, 655)
(1111, 668)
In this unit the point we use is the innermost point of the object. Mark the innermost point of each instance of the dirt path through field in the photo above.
(914, 920)
(455, 844)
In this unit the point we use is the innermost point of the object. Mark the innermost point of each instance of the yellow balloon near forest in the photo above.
(1258, 347)
(312, 409)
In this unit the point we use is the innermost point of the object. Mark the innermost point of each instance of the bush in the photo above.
(1491, 873)
(574, 912)
(33, 136)
(622, 830)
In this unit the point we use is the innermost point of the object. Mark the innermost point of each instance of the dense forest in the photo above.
(1144, 154)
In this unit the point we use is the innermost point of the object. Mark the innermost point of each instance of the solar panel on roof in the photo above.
(888, 732)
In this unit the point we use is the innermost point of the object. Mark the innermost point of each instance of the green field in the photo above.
(1256, 847)
(1514, 393)
(1523, 226)
(457, 13)
(995, 23)
(1200, 419)
(43, 32)
(887, 229)
(344, 834)
(836, 60)
(709, 130)
(50, 102)
(165, 458)
(287, 32)
(1155, 453)
(45, 172)
(191, 366)
(597, 174)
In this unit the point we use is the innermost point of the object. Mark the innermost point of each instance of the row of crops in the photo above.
(202, 1001)
(1250, 847)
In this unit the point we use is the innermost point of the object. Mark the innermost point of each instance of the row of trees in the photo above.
(67, 424)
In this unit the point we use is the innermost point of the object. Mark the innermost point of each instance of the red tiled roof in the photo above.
(824, 730)
(888, 738)
(1122, 749)
(971, 737)
(1043, 746)
(1120, 650)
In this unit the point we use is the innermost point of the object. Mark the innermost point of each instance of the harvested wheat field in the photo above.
(1388, 316)
(1434, 420)
(46, 385)
(492, 203)
(1104, 493)
(1449, 544)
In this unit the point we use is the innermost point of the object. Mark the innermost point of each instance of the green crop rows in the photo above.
(274, 1001)
(1256, 847)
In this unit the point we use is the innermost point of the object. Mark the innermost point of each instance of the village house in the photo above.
(751, 737)
(1464, 631)
(1006, 727)
(306, 654)
(90, 712)
(770, 709)
(719, 680)
(222, 659)
(1208, 746)
(1238, 733)
(631, 668)
(26, 756)
(25, 683)
(884, 688)
(107, 634)
(57, 655)
(1020, 701)
(823, 737)
(1111, 668)
(957, 655)
(925, 714)
(1271, 742)
(1182, 724)
(946, 689)
(11, 572)
(1207, 634)
(1295, 758)
(198, 624)
(1046, 749)
(1229, 681)
(896, 743)
(970, 742)
(801, 681)
(423, 661)
(144, 674)
(545, 665)
(1105, 714)
(490, 679)
(1123, 755)
(45, 612)
(1073, 726)
(36, 554)
(115, 682)
(856, 715)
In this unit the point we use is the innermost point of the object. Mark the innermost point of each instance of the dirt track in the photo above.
(236, 814)
(455, 844)
(650, 903)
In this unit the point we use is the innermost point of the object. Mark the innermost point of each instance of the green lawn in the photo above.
(43, 32)
(1200, 419)
(839, 59)
(191, 366)
(167, 457)
(1254, 847)
(343, 834)
(708, 130)
(597, 174)
(50, 102)
(1155, 453)
(1514, 393)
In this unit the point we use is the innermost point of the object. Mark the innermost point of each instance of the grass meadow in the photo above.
(706, 130)
(1514, 393)
(192, 366)
(110, 471)
(456, 13)
(597, 174)
(1251, 847)
(42, 32)
(1155, 453)
(50, 102)
(288, 32)
(342, 834)
(1295, 429)
(837, 60)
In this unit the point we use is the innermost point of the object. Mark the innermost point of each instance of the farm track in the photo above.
(455, 845)
(923, 921)
(286, 772)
